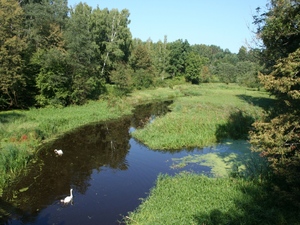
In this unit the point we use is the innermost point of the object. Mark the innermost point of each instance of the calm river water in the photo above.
(109, 172)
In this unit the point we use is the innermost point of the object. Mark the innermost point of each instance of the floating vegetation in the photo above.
(222, 158)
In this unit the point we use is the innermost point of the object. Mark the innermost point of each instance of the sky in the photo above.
(224, 23)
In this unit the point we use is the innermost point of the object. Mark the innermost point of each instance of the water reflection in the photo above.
(87, 152)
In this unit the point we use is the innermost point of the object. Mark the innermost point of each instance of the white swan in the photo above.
(68, 199)
(58, 152)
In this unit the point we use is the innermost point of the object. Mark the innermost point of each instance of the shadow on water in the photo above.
(92, 154)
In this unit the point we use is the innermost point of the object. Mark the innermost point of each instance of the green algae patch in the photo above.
(223, 159)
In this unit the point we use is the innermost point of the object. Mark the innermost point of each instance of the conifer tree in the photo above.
(278, 136)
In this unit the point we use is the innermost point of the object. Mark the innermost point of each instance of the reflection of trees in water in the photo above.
(86, 149)
(143, 114)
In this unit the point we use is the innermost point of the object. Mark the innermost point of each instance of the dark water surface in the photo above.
(108, 171)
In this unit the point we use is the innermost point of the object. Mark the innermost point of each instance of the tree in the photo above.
(160, 55)
(122, 79)
(81, 55)
(242, 54)
(53, 80)
(140, 58)
(111, 34)
(278, 136)
(278, 28)
(179, 51)
(226, 72)
(194, 67)
(247, 74)
(12, 46)
(141, 63)
(42, 17)
(44, 25)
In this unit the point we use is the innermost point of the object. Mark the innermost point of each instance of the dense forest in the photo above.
(54, 55)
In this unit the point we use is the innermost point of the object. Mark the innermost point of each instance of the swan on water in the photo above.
(58, 152)
(68, 199)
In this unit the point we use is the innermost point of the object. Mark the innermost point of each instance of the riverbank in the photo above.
(22, 132)
(199, 117)
(205, 114)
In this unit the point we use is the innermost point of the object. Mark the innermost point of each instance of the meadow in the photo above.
(205, 114)
(200, 115)
(240, 191)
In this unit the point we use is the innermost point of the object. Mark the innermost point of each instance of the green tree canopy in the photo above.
(12, 47)
(194, 67)
(179, 51)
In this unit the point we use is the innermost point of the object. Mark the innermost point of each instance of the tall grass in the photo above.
(203, 116)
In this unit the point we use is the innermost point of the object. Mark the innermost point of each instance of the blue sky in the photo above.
(222, 23)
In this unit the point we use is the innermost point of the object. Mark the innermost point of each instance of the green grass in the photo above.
(204, 115)
(195, 199)
(23, 131)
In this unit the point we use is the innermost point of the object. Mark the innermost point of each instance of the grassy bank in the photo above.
(199, 117)
(205, 114)
(23, 131)
(195, 199)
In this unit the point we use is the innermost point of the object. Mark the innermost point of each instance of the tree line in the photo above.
(55, 55)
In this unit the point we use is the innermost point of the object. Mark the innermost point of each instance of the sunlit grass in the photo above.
(22, 131)
(197, 117)
(153, 95)
(195, 199)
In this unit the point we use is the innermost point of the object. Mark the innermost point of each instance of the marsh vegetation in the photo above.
(218, 112)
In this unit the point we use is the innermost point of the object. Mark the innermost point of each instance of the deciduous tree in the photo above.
(12, 46)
